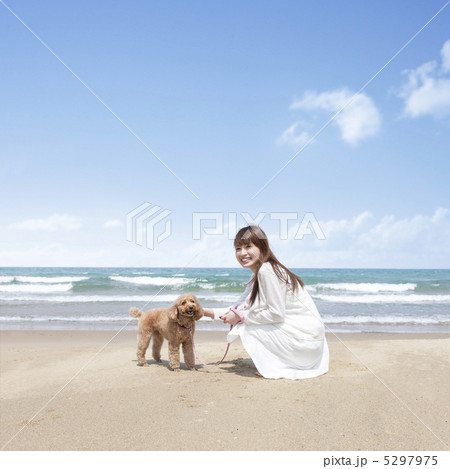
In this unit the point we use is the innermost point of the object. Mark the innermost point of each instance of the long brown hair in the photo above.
(253, 234)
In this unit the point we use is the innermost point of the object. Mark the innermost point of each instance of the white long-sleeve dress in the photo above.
(282, 331)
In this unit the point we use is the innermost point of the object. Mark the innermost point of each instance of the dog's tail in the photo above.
(135, 312)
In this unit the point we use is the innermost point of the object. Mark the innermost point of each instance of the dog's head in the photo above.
(187, 306)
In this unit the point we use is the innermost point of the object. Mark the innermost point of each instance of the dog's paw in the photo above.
(176, 369)
(143, 364)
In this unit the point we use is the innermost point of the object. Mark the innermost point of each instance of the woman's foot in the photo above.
(257, 373)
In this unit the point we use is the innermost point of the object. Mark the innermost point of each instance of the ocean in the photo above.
(349, 300)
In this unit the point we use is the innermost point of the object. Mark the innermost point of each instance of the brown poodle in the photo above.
(176, 324)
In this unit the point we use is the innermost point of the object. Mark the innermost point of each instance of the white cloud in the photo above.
(290, 136)
(445, 56)
(427, 91)
(112, 224)
(52, 223)
(363, 240)
(420, 241)
(358, 116)
(55, 255)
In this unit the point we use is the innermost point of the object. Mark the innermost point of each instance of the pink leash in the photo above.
(201, 361)
(238, 311)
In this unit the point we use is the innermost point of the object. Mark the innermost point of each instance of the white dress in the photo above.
(282, 331)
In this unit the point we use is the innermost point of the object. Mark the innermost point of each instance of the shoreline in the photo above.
(21, 336)
(214, 326)
(383, 392)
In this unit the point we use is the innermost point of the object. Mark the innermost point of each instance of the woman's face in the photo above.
(248, 256)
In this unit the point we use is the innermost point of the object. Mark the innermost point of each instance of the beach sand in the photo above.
(83, 391)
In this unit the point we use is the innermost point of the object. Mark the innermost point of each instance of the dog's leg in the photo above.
(143, 342)
(158, 340)
(188, 352)
(174, 356)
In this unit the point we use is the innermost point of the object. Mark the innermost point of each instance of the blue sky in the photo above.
(225, 94)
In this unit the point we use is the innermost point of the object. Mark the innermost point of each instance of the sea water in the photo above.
(349, 300)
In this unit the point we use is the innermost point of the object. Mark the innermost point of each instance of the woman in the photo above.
(278, 322)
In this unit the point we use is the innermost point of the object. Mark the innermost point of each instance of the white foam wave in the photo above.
(36, 288)
(350, 320)
(366, 287)
(143, 299)
(91, 299)
(27, 279)
(158, 281)
(228, 299)
(65, 318)
(383, 298)
(6, 278)
(95, 318)
(388, 320)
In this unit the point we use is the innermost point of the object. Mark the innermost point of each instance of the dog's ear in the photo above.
(173, 312)
(199, 313)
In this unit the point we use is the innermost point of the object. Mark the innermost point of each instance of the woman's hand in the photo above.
(230, 318)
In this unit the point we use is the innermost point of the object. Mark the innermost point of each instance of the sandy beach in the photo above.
(64, 390)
